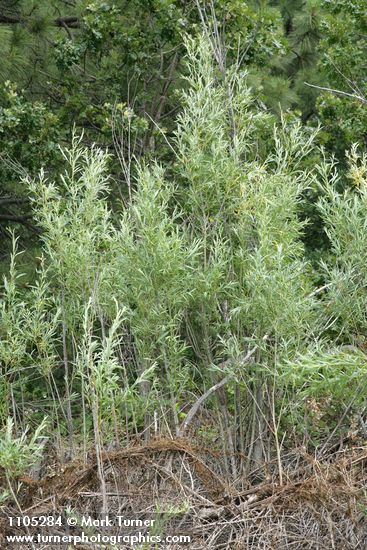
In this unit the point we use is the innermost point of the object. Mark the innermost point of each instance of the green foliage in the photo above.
(98, 367)
(201, 271)
(246, 212)
(76, 225)
(29, 135)
(345, 224)
(113, 69)
(336, 374)
(344, 46)
(17, 454)
(154, 272)
(29, 324)
(324, 384)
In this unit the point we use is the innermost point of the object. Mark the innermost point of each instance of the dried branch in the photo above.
(196, 406)
(360, 98)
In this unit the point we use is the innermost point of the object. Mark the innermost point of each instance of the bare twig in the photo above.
(196, 406)
(360, 98)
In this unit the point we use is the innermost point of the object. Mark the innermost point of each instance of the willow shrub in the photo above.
(140, 313)
(344, 214)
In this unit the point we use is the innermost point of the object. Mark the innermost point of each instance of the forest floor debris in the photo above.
(322, 503)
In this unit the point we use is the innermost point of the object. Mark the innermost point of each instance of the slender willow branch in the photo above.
(319, 290)
(196, 406)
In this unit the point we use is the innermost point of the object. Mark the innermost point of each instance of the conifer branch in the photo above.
(70, 21)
